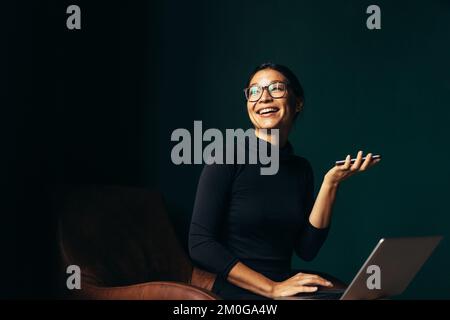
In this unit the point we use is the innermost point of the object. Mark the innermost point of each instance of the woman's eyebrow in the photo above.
(255, 83)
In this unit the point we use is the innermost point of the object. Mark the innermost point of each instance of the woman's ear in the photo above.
(298, 106)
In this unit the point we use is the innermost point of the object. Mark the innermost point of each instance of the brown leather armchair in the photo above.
(126, 248)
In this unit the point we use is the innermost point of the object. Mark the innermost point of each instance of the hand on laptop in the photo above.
(301, 282)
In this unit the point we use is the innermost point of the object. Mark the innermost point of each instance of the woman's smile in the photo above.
(267, 112)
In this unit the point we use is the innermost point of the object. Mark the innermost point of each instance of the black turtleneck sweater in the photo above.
(259, 220)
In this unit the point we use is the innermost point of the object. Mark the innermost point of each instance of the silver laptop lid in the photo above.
(391, 267)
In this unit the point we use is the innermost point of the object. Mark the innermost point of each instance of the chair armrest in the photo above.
(156, 290)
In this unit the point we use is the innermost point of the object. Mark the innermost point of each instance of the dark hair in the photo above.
(287, 73)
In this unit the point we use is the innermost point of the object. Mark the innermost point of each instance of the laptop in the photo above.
(387, 271)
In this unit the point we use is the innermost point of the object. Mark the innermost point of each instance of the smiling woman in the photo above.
(269, 103)
(245, 226)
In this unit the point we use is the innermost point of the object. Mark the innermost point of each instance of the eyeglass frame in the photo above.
(286, 83)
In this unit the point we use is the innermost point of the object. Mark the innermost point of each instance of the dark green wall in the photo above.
(386, 91)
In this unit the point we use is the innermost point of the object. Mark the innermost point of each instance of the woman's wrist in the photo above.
(271, 292)
(242, 276)
(330, 183)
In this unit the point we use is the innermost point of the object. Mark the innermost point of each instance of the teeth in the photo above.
(266, 110)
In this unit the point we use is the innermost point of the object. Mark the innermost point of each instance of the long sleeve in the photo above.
(310, 239)
(211, 203)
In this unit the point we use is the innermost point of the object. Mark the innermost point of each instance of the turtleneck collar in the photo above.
(285, 152)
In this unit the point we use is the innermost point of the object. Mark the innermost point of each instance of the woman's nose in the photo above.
(265, 96)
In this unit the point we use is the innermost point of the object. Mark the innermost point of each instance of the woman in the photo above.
(245, 226)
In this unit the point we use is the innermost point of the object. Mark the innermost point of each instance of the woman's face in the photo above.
(268, 112)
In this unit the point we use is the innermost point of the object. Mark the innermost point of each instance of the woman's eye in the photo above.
(254, 91)
(275, 87)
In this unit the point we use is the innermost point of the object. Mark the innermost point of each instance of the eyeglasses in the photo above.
(276, 90)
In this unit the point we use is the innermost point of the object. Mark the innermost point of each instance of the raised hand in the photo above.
(341, 172)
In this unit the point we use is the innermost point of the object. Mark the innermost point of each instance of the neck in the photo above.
(270, 137)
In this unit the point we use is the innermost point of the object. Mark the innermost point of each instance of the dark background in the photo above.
(98, 106)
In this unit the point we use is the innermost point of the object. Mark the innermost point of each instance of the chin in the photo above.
(269, 124)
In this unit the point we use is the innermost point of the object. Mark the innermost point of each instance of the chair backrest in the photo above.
(120, 236)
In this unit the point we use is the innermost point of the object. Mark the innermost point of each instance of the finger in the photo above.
(308, 289)
(300, 276)
(373, 162)
(288, 292)
(346, 164)
(303, 274)
(366, 162)
(358, 161)
(314, 276)
(319, 280)
(293, 290)
(316, 281)
(327, 283)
